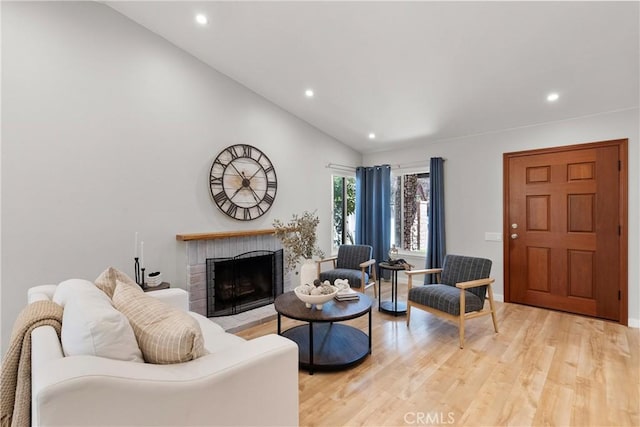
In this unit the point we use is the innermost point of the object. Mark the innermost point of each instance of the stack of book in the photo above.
(347, 295)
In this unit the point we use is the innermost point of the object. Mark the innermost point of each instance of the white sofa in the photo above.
(240, 382)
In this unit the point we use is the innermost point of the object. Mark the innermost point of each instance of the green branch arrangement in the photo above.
(298, 238)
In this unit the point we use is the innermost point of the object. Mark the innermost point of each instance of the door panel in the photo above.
(538, 267)
(563, 208)
(581, 272)
(581, 213)
(538, 213)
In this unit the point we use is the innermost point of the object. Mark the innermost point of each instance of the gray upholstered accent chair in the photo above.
(353, 262)
(463, 285)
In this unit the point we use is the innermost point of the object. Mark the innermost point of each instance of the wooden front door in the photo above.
(565, 230)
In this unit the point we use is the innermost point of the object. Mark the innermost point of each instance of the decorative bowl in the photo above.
(154, 279)
(317, 300)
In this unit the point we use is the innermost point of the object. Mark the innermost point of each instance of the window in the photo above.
(344, 210)
(409, 211)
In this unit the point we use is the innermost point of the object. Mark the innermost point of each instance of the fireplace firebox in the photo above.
(244, 282)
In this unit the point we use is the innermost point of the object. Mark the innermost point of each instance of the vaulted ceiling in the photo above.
(414, 72)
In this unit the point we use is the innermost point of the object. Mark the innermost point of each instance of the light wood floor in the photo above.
(543, 368)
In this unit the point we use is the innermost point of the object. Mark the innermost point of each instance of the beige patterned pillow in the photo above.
(165, 334)
(106, 281)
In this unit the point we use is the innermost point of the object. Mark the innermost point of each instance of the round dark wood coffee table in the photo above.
(323, 344)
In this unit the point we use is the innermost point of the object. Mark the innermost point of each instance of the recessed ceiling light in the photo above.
(308, 93)
(372, 135)
(201, 19)
(553, 97)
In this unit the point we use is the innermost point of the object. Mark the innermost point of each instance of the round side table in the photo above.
(393, 306)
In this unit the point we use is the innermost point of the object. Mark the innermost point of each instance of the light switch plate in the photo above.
(493, 237)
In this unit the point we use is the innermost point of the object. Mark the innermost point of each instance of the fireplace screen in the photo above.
(244, 282)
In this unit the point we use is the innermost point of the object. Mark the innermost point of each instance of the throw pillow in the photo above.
(106, 281)
(91, 326)
(165, 334)
(71, 288)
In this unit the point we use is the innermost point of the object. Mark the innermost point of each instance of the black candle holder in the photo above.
(139, 272)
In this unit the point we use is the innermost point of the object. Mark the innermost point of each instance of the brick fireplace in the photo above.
(203, 246)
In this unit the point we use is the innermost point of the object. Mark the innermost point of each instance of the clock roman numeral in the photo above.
(272, 184)
(231, 210)
(268, 198)
(220, 197)
(247, 214)
(216, 180)
(219, 162)
(268, 170)
(232, 151)
(247, 150)
(260, 210)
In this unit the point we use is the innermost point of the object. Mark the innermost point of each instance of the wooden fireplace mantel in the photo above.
(184, 237)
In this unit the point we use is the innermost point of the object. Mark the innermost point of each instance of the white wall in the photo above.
(108, 129)
(473, 183)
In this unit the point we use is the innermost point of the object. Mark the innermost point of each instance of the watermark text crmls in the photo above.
(429, 418)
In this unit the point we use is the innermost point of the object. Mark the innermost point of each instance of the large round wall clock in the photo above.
(243, 182)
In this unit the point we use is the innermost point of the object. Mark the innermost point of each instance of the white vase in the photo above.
(308, 272)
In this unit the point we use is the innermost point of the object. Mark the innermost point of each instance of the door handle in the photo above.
(514, 236)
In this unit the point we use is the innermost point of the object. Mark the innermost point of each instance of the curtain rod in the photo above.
(341, 167)
(344, 167)
(393, 166)
(412, 164)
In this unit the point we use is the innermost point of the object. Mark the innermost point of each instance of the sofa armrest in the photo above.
(253, 383)
(41, 293)
(175, 297)
(45, 347)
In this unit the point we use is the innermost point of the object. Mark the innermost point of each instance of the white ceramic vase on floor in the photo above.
(308, 272)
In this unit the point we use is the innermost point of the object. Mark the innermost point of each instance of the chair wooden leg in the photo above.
(373, 281)
(408, 312)
(493, 309)
(461, 322)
